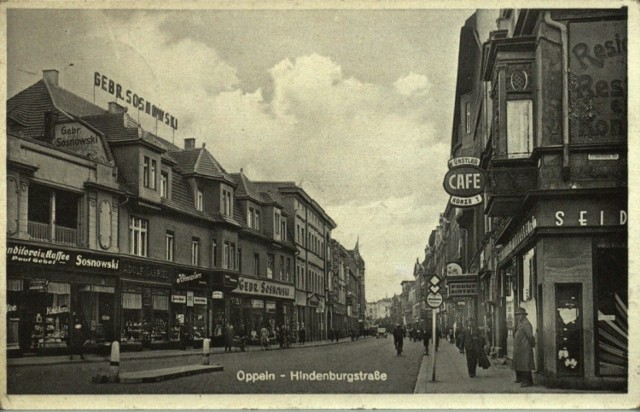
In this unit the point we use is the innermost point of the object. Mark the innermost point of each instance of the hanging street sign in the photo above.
(434, 280)
(434, 300)
(465, 182)
(434, 289)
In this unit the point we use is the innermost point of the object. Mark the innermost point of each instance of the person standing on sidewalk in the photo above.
(77, 339)
(228, 337)
(523, 344)
(469, 346)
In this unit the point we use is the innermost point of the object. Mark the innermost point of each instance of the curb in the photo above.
(421, 381)
(157, 375)
(96, 359)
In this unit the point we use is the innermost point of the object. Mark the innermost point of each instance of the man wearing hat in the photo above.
(469, 344)
(523, 344)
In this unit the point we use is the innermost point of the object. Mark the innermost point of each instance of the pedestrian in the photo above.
(426, 337)
(184, 336)
(523, 344)
(458, 334)
(77, 339)
(469, 343)
(398, 337)
(228, 337)
(264, 339)
(302, 334)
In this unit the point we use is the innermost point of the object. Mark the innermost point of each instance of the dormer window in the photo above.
(164, 185)
(226, 202)
(150, 167)
(276, 223)
(199, 200)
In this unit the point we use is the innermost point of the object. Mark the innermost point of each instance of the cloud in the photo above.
(367, 152)
(412, 84)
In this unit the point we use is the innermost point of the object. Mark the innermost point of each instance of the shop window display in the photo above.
(132, 326)
(199, 323)
(14, 290)
(160, 320)
(49, 314)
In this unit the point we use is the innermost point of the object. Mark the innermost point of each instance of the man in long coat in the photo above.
(469, 345)
(523, 343)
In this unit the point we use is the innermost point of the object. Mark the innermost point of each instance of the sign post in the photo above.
(434, 300)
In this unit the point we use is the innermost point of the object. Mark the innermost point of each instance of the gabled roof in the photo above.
(28, 106)
(199, 161)
(246, 189)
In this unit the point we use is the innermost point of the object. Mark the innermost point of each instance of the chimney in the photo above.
(51, 76)
(116, 108)
(190, 143)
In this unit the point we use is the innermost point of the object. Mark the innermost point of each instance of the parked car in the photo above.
(381, 332)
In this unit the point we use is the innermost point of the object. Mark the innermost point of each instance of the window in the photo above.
(257, 220)
(145, 172)
(149, 168)
(288, 270)
(281, 268)
(195, 251)
(276, 223)
(199, 200)
(225, 255)
(240, 260)
(152, 176)
(256, 264)
(283, 230)
(226, 202)
(519, 128)
(169, 246)
(164, 185)
(250, 214)
(138, 236)
(270, 264)
(214, 253)
(232, 255)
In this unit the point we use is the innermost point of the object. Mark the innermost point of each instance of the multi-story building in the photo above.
(557, 158)
(265, 262)
(311, 227)
(141, 240)
(119, 230)
(347, 304)
(541, 101)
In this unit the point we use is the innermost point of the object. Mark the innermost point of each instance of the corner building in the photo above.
(541, 100)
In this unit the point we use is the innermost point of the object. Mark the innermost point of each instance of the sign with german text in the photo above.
(465, 182)
(78, 138)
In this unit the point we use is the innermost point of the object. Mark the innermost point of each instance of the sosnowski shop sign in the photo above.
(465, 181)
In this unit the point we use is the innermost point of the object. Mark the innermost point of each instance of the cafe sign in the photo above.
(465, 182)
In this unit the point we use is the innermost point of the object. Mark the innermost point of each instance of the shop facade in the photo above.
(566, 264)
(258, 303)
(166, 306)
(49, 287)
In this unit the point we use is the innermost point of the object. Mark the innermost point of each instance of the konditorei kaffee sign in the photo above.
(465, 181)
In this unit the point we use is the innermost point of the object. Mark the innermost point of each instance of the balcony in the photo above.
(61, 235)
(508, 183)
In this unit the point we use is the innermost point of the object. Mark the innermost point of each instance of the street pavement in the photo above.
(367, 365)
(452, 376)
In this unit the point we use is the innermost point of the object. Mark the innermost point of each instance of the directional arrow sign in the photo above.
(434, 280)
(434, 289)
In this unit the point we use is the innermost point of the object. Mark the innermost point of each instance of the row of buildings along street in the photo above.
(541, 103)
(154, 245)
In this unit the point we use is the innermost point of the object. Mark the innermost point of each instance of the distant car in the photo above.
(381, 332)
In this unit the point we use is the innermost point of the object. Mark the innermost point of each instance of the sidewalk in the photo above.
(152, 354)
(452, 376)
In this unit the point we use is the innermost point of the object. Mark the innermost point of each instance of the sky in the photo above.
(355, 106)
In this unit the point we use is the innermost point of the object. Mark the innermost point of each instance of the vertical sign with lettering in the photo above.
(598, 81)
